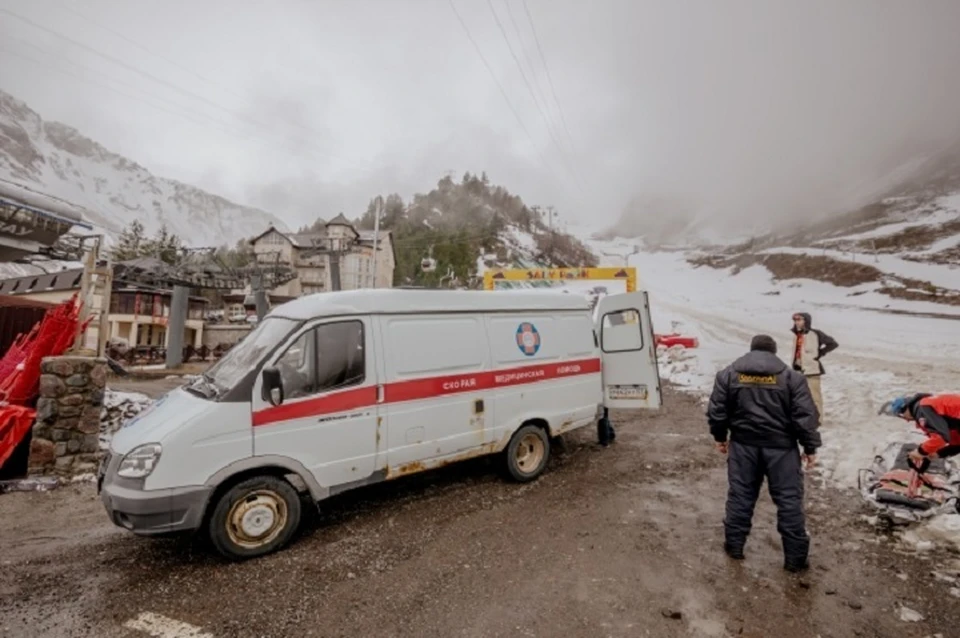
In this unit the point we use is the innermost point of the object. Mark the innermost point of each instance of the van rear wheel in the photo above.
(255, 517)
(527, 453)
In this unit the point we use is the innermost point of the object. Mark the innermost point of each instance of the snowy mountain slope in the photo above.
(58, 160)
(905, 248)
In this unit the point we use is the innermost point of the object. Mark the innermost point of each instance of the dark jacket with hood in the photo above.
(760, 401)
(816, 345)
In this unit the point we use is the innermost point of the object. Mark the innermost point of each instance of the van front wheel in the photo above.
(527, 453)
(255, 517)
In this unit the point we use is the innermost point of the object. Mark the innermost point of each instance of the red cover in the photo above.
(20, 370)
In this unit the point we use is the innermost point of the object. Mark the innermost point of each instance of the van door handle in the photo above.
(379, 394)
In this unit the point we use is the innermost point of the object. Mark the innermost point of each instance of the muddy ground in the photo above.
(623, 541)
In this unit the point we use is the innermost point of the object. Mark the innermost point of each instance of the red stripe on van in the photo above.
(419, 389)
(327, 404)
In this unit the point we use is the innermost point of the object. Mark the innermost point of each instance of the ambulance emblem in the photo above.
(528, 339)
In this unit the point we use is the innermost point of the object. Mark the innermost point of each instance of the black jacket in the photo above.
(760, 401)
(827, 343)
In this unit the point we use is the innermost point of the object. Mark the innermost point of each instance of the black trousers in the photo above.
(747, 466)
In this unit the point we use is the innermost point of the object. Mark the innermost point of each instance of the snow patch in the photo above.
(118, 408)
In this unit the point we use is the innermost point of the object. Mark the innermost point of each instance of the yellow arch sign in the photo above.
(627, 275)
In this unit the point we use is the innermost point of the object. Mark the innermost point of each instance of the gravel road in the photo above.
(623, 541)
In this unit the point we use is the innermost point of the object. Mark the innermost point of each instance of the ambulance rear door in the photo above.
(628, 352)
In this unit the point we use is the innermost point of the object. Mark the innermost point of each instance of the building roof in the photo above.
(366, 238)
(306, 240)
(270, 229)
(389, 301)
(340, 220)
(48, 282)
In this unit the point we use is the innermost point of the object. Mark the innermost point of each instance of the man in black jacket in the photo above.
(766, 410)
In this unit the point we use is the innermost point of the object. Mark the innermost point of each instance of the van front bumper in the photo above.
(150, 512)
(155, 512)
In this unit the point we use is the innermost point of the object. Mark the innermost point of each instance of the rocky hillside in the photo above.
(52, 158)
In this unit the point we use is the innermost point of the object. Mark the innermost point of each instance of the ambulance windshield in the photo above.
(246, 355)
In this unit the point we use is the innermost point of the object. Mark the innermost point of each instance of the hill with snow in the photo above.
(57, 160)
(905, 247)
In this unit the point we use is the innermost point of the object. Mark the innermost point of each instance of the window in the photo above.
(621, 331)
(341, 358)
(296, 368)
(247, 354)
(329, 357)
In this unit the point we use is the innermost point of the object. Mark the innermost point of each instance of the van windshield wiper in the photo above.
(203, 387)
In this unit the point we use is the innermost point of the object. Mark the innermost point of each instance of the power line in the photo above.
(138, 45)
(546, 68)
(503, 92)
(526, 81)
(150, 76)
(217, 123)
(533, 72)
(177, 65)
(186, 116)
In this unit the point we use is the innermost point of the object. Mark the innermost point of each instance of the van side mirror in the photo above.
(272, 386)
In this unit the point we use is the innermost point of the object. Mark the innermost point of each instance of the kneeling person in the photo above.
(766, 410)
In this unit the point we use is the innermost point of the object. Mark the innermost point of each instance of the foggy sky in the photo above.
(741, 110)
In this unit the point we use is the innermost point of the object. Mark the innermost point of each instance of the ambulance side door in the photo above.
(628, 352)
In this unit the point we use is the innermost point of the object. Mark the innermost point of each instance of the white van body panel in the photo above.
(558, 383)
(198, 438)
(432, 363)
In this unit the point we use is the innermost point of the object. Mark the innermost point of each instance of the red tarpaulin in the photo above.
(20, 370)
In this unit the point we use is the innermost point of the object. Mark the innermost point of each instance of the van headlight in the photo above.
(140, 461)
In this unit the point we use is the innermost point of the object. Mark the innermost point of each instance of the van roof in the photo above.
(391, 301)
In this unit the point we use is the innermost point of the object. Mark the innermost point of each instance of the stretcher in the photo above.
(904, 493)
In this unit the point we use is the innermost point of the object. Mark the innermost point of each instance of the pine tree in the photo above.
(165, 246)
(131, 242)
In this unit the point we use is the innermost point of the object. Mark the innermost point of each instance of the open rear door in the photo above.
(629, 352)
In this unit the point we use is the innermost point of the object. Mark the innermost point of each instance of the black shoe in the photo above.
(796, 565)
(736, 553)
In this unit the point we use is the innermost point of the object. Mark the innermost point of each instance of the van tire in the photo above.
(255, 517)
(527, 454)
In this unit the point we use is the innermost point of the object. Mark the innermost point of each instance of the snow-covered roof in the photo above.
(390, 301)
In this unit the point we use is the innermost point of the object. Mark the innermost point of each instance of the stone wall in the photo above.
(66, 434)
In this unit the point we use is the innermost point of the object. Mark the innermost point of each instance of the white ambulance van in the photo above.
(339, 390)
